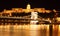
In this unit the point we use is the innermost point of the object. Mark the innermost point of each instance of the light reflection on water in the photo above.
(28, 30)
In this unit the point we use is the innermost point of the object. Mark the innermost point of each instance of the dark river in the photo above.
(29, 30)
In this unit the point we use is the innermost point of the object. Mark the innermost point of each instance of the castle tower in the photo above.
(28, 6)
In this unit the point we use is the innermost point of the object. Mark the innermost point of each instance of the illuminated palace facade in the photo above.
(22, 16)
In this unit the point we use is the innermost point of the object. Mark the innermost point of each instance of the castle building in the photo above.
(30, 14)
(28, 9)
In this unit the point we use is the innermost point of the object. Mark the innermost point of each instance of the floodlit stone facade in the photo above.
(28, 9)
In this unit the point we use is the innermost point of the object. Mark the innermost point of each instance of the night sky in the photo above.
(48, 4)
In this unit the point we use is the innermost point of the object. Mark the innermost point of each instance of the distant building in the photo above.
(28, 9)
(30, 13)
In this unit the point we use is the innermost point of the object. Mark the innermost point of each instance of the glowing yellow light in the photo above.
(33, 27)
(54, 10)
(59, 28)
(28, 6)
(58, 18)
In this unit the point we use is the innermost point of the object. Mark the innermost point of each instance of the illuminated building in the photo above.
(20, 13)
(28, 9)
(28, 16)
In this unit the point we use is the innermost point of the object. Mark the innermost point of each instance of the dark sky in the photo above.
(48, 4)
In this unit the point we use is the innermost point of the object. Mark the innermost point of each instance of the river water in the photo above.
(29, 30)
